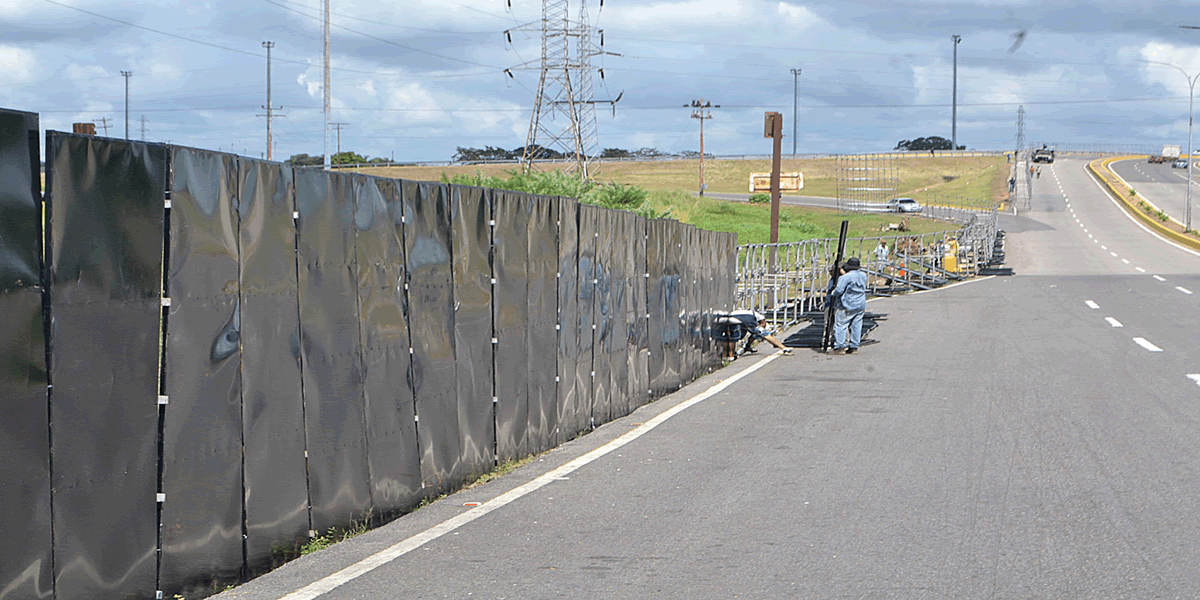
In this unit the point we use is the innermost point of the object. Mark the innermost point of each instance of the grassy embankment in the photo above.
(983, 180)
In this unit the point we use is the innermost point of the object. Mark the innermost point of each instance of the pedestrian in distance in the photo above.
(850, 304)
(1039, 172)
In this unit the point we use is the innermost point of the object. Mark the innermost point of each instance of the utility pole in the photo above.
(328, 93)
(270, 107)
(126, 75)
(700, 111)
(339, 126)
(143, 128)
(795, 104)
(104, 124)
(954, 98)
(773, 128)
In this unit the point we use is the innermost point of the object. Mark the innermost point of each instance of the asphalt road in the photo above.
(1162, 185)
(1034, 436)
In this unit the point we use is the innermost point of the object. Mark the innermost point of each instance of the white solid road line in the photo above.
(1159, 278)
(1194, 377)
(1143, 342)
(1092, 305)
(1184, 290)
(370, 563)
(1113, 322)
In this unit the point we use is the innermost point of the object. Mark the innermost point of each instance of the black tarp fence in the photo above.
(209, 359)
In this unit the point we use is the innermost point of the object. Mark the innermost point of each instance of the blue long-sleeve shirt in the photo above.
(851, 291)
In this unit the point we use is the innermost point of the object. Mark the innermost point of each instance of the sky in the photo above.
(412, 80)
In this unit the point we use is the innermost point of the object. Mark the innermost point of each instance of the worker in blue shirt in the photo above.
(850, 303)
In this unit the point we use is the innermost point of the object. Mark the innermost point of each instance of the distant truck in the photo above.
(1170, 153)
(1043, 155)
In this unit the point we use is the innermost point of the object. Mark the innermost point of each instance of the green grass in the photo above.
(752, 222)
(334, 535)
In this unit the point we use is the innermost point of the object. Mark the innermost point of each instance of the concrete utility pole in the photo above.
(143, 128)
(700, 111)
(328, 93)
(126, 75)
(954, 98)
(270, 107)
(795, 104)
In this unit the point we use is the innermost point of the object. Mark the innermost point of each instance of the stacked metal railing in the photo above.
(786, 281)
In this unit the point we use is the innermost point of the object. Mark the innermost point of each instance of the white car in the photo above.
(1181, 163)
(904, 205)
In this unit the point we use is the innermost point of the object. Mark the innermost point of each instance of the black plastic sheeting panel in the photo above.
(24, 418)
(331, 349)
(105, 209)
(572, 416)
(202, 429)
(541, 335)
(430, 283)
(393, 459)
(471, 252)
(275, 476)
(512, 321)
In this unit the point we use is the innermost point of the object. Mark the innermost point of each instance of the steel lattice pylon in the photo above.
(564, 111)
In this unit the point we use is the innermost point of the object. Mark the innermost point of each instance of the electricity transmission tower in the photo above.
(564, 110)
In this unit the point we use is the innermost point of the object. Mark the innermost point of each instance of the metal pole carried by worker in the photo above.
(837, 265)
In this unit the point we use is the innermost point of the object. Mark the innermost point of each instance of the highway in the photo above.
(1033, 436)
(1162, 185)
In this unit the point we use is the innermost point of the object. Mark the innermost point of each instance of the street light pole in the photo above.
(1191, 79)
(795, 103)
(954, 97)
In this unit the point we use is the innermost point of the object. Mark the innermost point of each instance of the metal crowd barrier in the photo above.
(786, 281)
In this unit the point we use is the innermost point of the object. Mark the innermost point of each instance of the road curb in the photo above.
(1099, 168)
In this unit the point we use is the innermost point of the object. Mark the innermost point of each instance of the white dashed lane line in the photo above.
(1125, 260)
(1184, 290)
(1194, 377)
(1143, 342)
(1159, 278)
(1140, 270)
(1114, 254)
(1092, 305)
(1113, 322)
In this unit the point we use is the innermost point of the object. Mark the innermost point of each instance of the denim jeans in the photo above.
(843, 320)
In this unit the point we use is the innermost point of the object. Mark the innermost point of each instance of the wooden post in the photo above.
(773, 128)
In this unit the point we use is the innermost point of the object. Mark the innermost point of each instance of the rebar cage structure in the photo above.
(865, 179)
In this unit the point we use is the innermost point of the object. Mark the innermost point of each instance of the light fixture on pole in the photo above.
(126, 75)
(1191, 79)
(954, 98)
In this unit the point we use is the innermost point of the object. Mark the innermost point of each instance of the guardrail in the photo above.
(786, 281)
